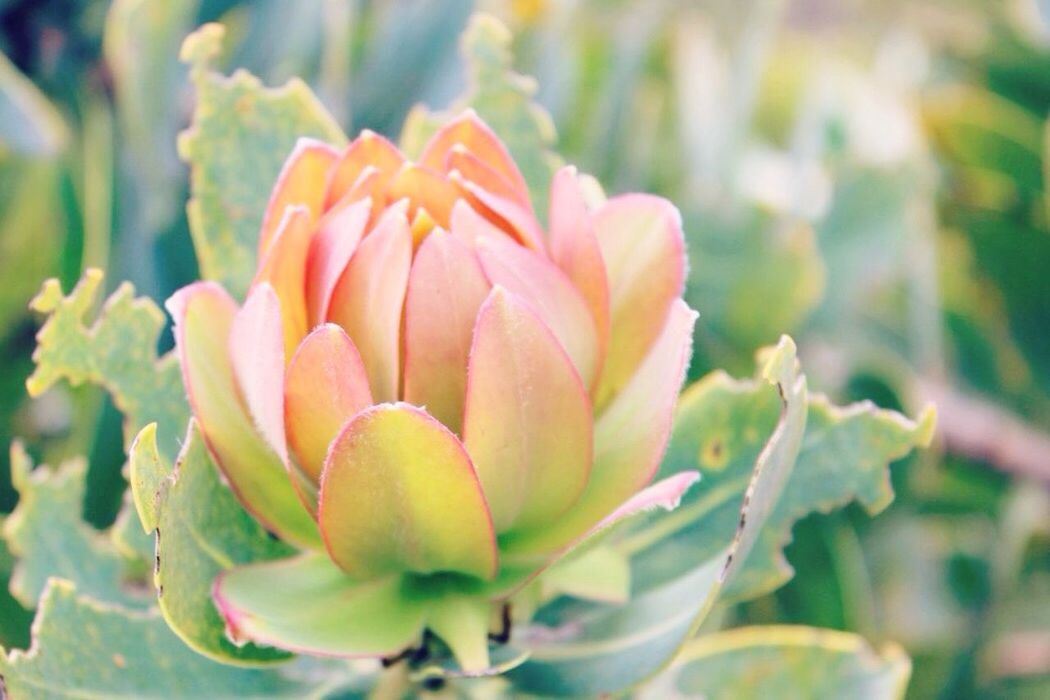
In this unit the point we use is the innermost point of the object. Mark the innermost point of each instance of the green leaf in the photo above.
(14, 618)
(201, 531)
(29, 123)
(85, 649)
(606, 649)
(117, 351)
(45, 532)
(784, 662)
(503, 98)
(240, 136)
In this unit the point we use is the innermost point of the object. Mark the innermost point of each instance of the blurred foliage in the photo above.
(869, 176)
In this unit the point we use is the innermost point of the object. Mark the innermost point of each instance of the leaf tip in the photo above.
(203, 45)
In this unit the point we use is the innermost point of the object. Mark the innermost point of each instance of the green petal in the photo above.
(309, 605)
(398, 493)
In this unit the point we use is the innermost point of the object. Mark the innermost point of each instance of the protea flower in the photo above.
(426, 392)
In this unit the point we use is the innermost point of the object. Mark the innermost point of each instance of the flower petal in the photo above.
(301, 183)
(326, 386)
(203, 314)
(284, 268)
(468, 225)
(644, 252)
(630, 437)
(445, 291)
(398, 493)
(257, 355)
(308, 605)
(367, 150)
(574, 247)
(527, 421)
(335, 242)
(552, 295)
(426, 189)
(476, 137)
(368, 299)
(484, 176)
(506, 213)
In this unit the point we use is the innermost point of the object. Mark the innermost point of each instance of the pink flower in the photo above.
(424, 382)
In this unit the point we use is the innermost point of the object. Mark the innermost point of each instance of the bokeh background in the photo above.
(866, 175)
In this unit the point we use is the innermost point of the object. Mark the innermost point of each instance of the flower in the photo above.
(427, 393)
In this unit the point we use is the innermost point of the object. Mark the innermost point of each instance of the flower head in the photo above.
(428, 392)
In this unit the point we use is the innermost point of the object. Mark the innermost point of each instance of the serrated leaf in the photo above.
(86, 649)
(241, 134)
(606, 649)
(503, 98)
(46, 534)
(201, 531)
(783, 662)
(118, 351)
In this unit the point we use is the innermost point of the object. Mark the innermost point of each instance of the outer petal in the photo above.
(301, 183)
(284, 268)
(326, 386)
(307, 604)
(472, 134)
(558, 303)
(368, 299)
(399, 493)
(257, 354)
(367, 150)
(527, 422)
(641, 241)
(203, 314)
(445, 291)
(630, 437)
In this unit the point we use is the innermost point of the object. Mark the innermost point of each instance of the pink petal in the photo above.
(644, 252)
(368, 299)
(519, 219)
(326, 386)
(469, 226)
(445, 291)
(549, 291)
(204, 315)
(575, 249)
(333, 245)
(257, 355)
(527, 422)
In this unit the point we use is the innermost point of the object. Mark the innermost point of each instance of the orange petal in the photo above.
(575, 249)
(203, 314)
(333, 245)
(427, 189)
(468, 225)
(445, 291)
(301, 183)
(644, 252)
(398, 493)
(477, 171)
(475, 136)
(285, 269)
(257, 356)
(368, 300)
(506, 213)
(527, 421)
(367, 150)
(551, 294)
(326, 386)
